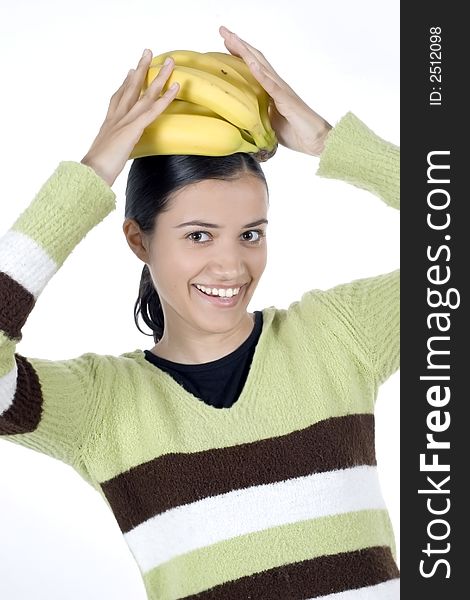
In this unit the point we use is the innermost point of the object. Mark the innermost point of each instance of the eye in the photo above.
(196, 233)
(259, 233)
(195, 236)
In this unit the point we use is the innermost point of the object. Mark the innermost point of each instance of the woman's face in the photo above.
(224, 247)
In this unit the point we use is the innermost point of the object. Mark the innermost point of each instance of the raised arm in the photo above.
(47, 405)
(368, 308)
(43, 403)
(365, 312)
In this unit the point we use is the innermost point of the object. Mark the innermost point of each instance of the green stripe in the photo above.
(212, 565)
(69, 204)
(7, 350)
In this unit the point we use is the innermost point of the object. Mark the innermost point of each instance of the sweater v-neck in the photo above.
(194, 403)
(212, 364)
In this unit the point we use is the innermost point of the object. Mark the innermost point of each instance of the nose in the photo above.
(227, 262)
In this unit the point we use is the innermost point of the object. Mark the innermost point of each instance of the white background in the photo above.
(60, 62)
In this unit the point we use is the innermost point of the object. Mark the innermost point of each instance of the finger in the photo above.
(134, 83)
(260, 68)
(266, 76)
(274, 86)
(158, 106)
(152, 94)
(158, 82)
(244, 49)
(156, 86)
(116, 97)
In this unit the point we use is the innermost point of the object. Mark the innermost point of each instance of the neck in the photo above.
(188, 345)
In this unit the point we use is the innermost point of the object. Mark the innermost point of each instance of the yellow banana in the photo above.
(246, 136)
(218, 95)
(209, 64)
(182, 107)
(239, 65)
(212, 63)
(191, 134)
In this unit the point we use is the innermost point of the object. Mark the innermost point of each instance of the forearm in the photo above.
(355, 154)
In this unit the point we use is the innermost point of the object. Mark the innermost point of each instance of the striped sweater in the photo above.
(276, 497)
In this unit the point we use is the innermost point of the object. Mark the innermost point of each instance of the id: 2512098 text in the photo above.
(435, 66)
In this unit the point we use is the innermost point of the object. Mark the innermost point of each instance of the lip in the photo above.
(220, 287)
(221, 302)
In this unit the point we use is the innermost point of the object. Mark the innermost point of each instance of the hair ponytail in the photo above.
(149, 306)
(150, 183)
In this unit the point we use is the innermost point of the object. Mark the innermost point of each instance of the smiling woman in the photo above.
(167, 199)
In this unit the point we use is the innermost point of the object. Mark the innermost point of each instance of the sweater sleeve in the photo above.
(355, 154)
(366, 310)
(44, 404)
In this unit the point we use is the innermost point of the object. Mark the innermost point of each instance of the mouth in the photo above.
(219, 300)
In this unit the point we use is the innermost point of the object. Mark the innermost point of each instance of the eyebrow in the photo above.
(214, 226)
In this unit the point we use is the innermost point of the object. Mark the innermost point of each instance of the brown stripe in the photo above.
(16, 303)
(25, 412)
(311, 578)
(175, 479)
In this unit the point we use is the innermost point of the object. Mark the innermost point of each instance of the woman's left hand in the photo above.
(297, 126)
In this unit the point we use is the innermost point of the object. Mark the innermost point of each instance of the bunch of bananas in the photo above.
(220, 109)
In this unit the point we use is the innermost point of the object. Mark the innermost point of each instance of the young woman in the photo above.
(237, 454)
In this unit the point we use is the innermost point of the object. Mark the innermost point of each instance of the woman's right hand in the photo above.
(127, 117)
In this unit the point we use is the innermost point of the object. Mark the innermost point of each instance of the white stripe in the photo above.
(7, 389)
(225, 516)
(25, 261)
(388, 590)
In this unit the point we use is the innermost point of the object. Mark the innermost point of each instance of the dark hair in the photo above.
(150, 183)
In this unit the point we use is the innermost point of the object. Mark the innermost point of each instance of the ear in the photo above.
(136, 239)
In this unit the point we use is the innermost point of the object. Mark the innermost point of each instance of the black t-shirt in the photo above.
(218, 382)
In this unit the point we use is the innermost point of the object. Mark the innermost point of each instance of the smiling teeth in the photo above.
(223, 293)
